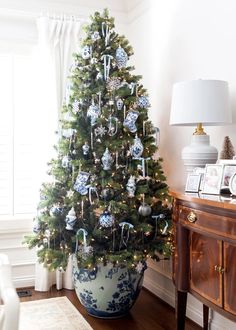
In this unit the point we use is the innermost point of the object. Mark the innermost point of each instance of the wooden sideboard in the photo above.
(204, 258)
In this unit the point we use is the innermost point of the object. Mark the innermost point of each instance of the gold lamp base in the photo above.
(199, 130)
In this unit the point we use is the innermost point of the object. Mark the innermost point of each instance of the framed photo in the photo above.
(212, 179)
(228, 171)
(193, 182)
(232, 184)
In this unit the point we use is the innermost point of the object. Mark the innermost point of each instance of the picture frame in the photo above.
(228, 171)
(193, 182)
(232, 184)
(213, 179)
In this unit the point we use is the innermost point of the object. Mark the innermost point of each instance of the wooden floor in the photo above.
(148, 313)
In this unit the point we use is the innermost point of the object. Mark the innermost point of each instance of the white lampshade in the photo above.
(200, 102)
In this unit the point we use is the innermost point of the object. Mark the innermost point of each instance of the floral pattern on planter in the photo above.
(107, 291)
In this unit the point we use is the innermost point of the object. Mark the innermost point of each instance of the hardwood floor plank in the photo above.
(148, 313)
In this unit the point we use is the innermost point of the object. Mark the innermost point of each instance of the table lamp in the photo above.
(197, 103)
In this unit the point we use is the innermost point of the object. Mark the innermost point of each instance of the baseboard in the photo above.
(23, 281)
(166, 292)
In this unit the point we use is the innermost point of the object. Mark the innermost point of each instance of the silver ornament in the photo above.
(107, 160)
(95, 36)
(131, 186)
(107, 193)
(100, 131)
(113, 83)
(85, 149)
(119, 104)
(121, 57)
(106, 219)
(70, 219)
(93, 113)
(145, 209)
(136, 149)
(86, 52)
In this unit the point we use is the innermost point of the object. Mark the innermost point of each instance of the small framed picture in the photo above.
(212, 179)
(193, 182)
(232, 184)
(228, 171)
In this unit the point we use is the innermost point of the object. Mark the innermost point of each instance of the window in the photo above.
(26, 134)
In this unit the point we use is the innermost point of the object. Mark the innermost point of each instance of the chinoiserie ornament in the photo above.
(85, 149)
(80, 183)
(86, 52)
(130, 120)
(71, 219)
(119, 104)
(121, 57)
(143, 102)
(107, 160)
(56, 210)
(93, 113)
(145, 209)
(106, 219)
(66, 162)
(131, 186)
(136, 149)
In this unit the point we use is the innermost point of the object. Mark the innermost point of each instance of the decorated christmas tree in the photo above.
(108, 201)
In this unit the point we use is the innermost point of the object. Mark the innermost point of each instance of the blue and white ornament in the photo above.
(56, 211)
(136, 149)
(66, 162)
(80, 183)
(106, 219)
(119, 104)
(86, 52)
(130, 120)
(143, 102)
(107, 160)
(36, 226)
(121, 57)
(71, 219)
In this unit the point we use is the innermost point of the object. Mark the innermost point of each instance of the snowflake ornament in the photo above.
(100, 131)
(95, 36)
(113, 83)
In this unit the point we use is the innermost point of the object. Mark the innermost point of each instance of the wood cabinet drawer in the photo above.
(213, 223)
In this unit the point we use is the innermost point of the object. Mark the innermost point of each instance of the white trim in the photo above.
(23, 281)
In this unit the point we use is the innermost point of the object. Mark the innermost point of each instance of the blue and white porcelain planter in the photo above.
(107, 291)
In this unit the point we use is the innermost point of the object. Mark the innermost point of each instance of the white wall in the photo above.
(176, 40)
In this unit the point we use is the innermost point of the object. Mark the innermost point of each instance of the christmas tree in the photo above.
(108, 201)
(228, 149)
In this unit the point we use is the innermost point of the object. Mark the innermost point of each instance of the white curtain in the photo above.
(58, 39)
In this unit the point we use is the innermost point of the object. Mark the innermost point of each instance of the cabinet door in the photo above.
(230, 277)
(205, 254)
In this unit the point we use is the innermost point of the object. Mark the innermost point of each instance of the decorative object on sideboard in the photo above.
(193, 182)
(200, 102)
(228, 149)
(213, 179)
(232, 184)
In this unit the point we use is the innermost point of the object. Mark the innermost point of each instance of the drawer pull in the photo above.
(192, 217)
(219, 269)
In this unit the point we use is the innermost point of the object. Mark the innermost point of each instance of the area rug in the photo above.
(51, 314)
